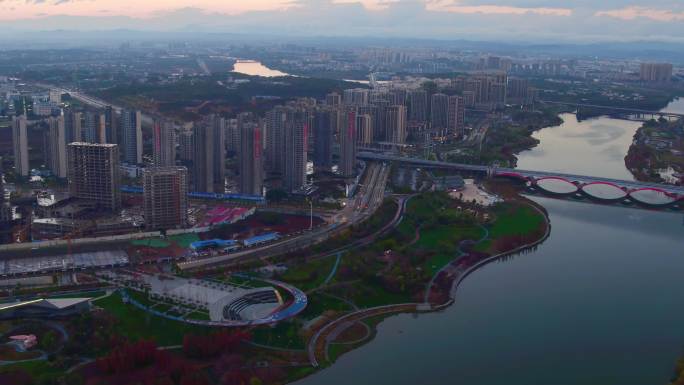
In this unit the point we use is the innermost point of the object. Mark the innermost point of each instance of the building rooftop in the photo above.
(55, 303)
(92, 144)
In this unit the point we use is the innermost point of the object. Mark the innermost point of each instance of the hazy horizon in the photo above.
(506, 20)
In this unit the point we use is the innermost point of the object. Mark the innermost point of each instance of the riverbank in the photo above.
(453, 253)
(657, 152)
(505, 138)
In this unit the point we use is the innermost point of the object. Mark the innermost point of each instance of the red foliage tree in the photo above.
(214, 344)
(128, 357)
(194, 379)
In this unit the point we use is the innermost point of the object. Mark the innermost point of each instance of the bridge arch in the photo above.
(556, 185)
(510, 174)
(653, 196)
(606, 191)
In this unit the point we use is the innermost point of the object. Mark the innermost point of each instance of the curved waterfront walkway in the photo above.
(317, 346)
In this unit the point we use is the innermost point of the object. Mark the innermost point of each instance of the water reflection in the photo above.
(595, 147)
(255, 68)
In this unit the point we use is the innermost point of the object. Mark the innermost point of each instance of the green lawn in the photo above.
(156, 243)
(431, 239)
(137, 324)
(41, 371)
(515, 219)
(437, 262)
(184, 240)
(199, 316)
(284, 334)
(320, 302)
(365, 295)
(307, 276)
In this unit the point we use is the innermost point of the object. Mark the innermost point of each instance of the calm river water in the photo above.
(255, 68)
(600, 302)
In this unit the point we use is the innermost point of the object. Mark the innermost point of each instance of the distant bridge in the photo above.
(598, 187)
(635, 111)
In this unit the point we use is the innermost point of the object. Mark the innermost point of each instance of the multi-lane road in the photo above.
(91, 101)
(365, 202)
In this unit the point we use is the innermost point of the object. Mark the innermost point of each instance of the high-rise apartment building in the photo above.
(20, 145)
(250, 159)
(439, 113)
(73, 125)
(397, 97)
(275, 138)
(325, 121)
(347, 136)
(295, 150)
(655, 72)
(333, 99)
(518, 90)
(93, 172)
(165, 197)
(356, 97)
(186, 145)
(131, 136)
(417, 106)
(164, 143)
(232, 136)
(395, 124)
(56, 147)
(364, 129)
(94, 128)
(456, 118)
(203, 158)
(111, 135)
(217, 125)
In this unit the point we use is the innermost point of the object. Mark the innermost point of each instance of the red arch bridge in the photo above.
(653, 194)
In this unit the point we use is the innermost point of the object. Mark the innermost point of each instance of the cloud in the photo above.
(634, 12)
(374, 5)
(491, 9)
(550, 20)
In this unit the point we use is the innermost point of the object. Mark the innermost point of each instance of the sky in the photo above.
(585, 20)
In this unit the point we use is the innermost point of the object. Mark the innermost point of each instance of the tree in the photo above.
(49, 341)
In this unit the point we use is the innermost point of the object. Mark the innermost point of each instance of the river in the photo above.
(600, 302)
(255, 68)
(595, 147)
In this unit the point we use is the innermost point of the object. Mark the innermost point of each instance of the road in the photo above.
(365, 202)
(92, 101)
